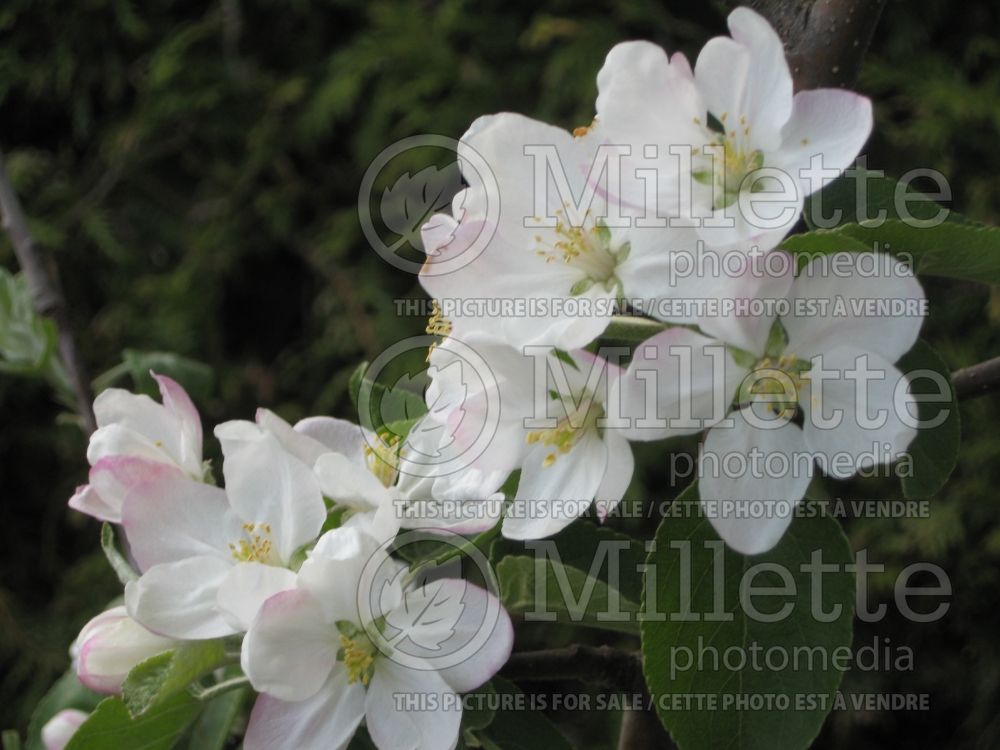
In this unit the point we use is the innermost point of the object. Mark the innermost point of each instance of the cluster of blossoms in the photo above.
(290, 554)
(286, 556)
(703, 168)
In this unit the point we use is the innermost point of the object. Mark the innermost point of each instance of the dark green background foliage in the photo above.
(193, 169)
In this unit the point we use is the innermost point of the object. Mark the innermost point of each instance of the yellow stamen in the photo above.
(358, 658)
(256, 547)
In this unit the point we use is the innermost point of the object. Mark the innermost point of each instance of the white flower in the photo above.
(550, 422)
(834, 374)
(321, 663)
(59, 730)
(136, 439)
(558, 250)
(210, 557)
(740, 98)
(109, 646)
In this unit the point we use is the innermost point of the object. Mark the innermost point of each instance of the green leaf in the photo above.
(934, 452)
(196, 377)
(515, 728)
(67, 692)
(544, 590)
(354, 384)
(111, 725)
(214, 726)
(10, 740)
(697, 586)
(381, 407)
(583, 542)
(27, 340)
(123, 569)
(877, 194)
(954, 250)
(160, 677)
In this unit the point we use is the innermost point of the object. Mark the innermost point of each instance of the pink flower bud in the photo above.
(59, 730)
(110, 645)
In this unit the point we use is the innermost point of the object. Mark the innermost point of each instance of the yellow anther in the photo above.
(358, 658)
(382, 459)
(256, 546)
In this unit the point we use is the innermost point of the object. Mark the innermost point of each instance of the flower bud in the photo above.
(59, 730)
(109, 646)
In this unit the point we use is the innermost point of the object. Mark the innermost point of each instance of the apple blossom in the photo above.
(209, 557)
(324, 661)
(110, 645)
(801, 396)
(136, 438)
(756, 135)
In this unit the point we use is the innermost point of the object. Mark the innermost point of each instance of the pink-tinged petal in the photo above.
(326, 721)
(178, 600)
(173, 518)
(86, 500)
(434, 725)
(267, 484)
(291, 647)
(300, 445)
(751, 509)
(550, 496)
(110, 645)
(617, 476)
(832, 123)
(337, 435)
(846, 432)
(178, 403)
(832, 300)
(246, 587)
(59, 730)
(463, 632)
(112, 477)
(119, 440)
(678, 383)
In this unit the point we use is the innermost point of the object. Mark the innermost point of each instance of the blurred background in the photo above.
(193, 170)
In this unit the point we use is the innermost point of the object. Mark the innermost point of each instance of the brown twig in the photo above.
(977, 380)
(46, 295)
(604, 666)
(825, 40)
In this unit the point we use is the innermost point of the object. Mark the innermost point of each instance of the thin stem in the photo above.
(46, 295)
(977, 380)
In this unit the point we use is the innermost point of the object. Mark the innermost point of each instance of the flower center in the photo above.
(731, 159)
(569, 429)
(382, 459)
(785, 376)
(358, 655)
(437, 325)
(587, 249)
(255, 546)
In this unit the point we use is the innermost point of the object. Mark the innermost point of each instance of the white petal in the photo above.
(338, 435)
(551, 497)
(617, 476)
(348, 483)
(393, 727)
(87, 500)
(750, 509)
(173, 518)
(246, 587)
(830, 122)
(291, 647)
(860, 438)
(266, 484)
(111, 479)
(842, 281)
(300, 445)
(179, 404)
(678, 383)
(326, 721)
(454, 628)
(178, 599)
